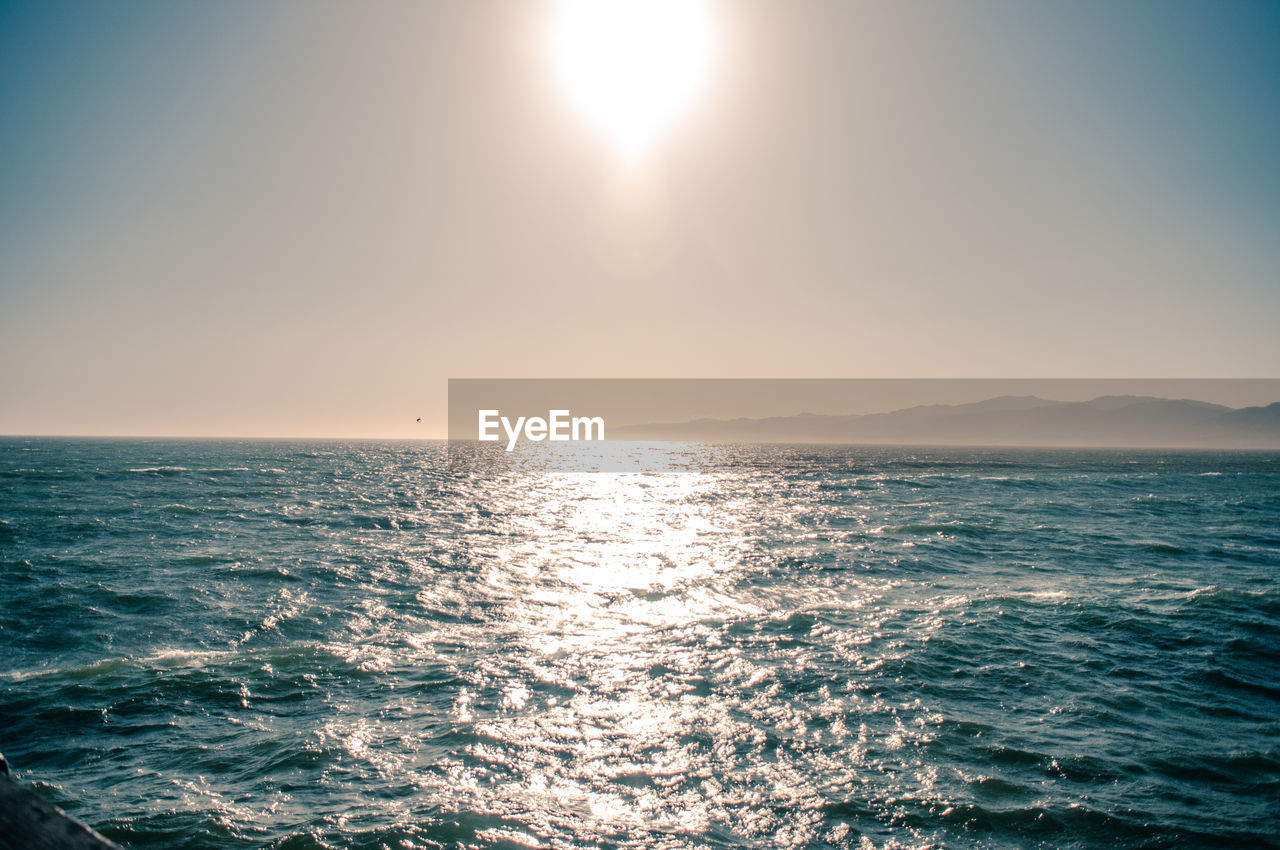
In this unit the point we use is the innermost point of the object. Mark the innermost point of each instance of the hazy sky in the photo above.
(301, 218)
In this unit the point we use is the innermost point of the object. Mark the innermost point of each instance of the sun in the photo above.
(632, 68)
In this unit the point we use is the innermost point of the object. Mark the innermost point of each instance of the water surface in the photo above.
(303, 645)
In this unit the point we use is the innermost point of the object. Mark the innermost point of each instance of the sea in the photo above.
(338, 644)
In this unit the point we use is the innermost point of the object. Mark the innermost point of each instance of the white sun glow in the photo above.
(632, 67)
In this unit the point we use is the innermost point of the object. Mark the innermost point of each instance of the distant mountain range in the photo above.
(1120, 421)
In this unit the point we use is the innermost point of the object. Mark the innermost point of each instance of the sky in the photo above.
(301, 218)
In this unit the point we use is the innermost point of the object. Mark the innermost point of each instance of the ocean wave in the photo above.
(946, 528)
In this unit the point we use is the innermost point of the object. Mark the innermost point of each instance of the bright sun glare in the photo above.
(632, 67)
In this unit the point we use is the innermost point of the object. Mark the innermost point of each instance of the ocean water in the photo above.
(226, 644)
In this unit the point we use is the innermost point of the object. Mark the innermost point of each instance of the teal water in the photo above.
(302, 645)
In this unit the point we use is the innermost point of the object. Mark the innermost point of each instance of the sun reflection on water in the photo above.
(620, 587)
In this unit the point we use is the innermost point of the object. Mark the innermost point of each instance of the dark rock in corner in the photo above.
(30, 822)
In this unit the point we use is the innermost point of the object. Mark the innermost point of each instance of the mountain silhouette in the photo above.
(1120, 421)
